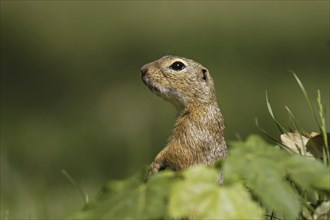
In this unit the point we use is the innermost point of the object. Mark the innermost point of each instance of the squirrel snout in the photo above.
(144, 71)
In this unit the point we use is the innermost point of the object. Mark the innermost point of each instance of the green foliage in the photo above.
(294, 127)
(259, 178)
(199, 196)
(264, 167)
(193, 193)
(251, 161)
(310, 179)
(130, 198)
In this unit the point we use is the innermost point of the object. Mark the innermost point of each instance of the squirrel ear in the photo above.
(204, 75)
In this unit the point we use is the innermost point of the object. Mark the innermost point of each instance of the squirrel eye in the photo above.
(177, 66)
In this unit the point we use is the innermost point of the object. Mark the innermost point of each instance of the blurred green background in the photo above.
(72, 98)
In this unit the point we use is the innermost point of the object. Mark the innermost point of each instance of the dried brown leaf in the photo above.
(296, 142)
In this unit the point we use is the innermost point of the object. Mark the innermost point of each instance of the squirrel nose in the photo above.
(144, 71)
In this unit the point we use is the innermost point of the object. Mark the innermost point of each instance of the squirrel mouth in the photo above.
(153, 88)
(150, 85)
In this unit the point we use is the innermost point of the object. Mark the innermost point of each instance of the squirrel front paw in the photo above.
(155, 167)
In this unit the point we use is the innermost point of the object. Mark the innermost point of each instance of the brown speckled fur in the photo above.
(197, 137)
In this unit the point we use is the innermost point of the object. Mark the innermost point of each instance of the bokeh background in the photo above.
(72, 98)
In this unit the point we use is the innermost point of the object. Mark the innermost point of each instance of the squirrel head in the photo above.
(179, 80)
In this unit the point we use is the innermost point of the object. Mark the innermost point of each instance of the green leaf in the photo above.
(308, 173)
(235, 203)
(198, 196)
(131, 199)
(260, 165)
(195, 193)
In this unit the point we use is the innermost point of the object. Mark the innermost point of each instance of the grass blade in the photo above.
(294, 121)
(297, 128)
(280, 127)
(323, 126)
(75, 184)
(307, 98)
(273, 139)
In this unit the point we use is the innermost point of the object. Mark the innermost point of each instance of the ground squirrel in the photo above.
(198, 134)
